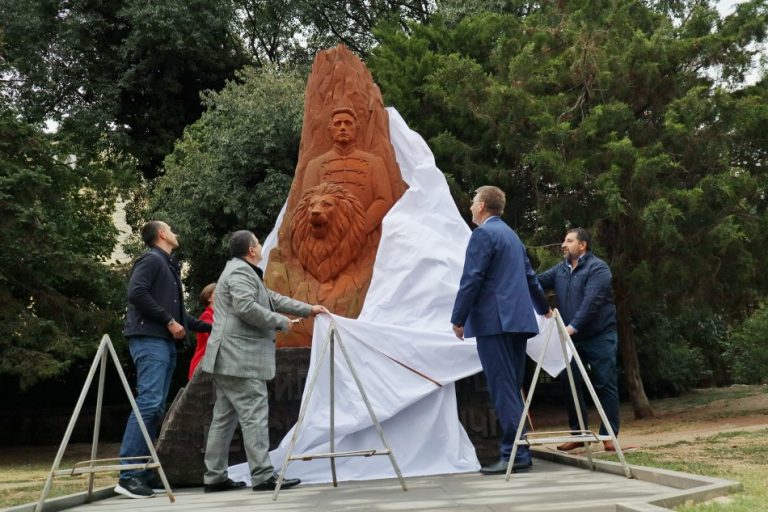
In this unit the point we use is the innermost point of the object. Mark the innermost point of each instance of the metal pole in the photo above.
(71, 426)
(521, 424)
(302, 412)
(333, 408)
(373, 415)
(97, 420)
(601, 412)
(564, 339)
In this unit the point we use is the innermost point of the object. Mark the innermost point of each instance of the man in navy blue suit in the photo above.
(495, 304)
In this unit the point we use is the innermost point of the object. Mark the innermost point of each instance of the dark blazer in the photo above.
(498, 290)
(584, 296)
(155, 298)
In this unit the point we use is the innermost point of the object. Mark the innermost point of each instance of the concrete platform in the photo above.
(556, 483)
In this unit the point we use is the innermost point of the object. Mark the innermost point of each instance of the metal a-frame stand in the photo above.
(585, 436)
(331, 340)
(88, 466)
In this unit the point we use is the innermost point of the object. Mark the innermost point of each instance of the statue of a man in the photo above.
(361, 173)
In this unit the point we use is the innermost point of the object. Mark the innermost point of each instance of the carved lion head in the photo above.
(327, 230)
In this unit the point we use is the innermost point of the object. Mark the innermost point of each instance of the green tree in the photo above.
(232, 169)
(58, 296)
(124, 76)
(291, 32)
(603, 114)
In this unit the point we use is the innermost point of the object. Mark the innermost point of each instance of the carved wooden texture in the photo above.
(338, 79)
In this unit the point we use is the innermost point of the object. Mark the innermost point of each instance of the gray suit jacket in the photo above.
(245, 318)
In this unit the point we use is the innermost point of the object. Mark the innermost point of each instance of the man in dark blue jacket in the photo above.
(495, 304)
(155, 319)
(582, 284)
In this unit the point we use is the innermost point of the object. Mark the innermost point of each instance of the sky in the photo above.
(726, 6)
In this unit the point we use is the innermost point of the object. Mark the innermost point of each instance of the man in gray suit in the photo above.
(241, 357)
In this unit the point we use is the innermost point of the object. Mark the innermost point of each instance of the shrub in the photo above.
(746, 350)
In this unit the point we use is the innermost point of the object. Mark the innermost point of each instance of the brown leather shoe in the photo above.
(608, 446)
(570, 445)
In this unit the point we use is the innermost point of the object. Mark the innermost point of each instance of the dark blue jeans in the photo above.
(598, 355)
(155, 360)
(503, 359)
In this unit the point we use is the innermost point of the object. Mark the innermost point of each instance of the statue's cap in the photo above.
(343, 109)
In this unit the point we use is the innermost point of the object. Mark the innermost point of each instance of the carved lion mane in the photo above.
(327, 230)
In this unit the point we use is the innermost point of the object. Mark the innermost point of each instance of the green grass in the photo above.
(752, 499)
(740, 456)
(23, 473)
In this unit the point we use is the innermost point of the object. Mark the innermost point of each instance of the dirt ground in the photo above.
(700, 414)
(697, 414)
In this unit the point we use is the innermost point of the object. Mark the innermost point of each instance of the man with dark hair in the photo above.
(495, 303)
(155, 320)
(241, 357)
(582, 284)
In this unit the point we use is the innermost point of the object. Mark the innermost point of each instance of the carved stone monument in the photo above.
(346, 181)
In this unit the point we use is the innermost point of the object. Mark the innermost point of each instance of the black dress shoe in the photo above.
(270, 484)
(500, 467)
(226, 485)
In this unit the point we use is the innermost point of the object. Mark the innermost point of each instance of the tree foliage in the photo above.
(604, 114)
(123, 75)
(293, 31)
(58, 297)
(746, 350)
(232, 169)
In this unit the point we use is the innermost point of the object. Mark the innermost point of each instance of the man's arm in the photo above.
(538, 298)
(290, 306)
(195, 324)
(596, 292)
(547, 278)
(243, 286)
(382, 195)
(476, 263)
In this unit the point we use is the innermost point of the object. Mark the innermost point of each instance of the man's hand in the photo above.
(458, 330)
(570, 330)
(176, 329)
(318, 309)
(292, 322)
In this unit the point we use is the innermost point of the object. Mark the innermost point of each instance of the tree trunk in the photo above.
(629, 360)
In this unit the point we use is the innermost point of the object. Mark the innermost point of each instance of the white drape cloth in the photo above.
(406, 317)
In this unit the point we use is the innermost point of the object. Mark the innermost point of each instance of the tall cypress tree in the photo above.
(619, 117)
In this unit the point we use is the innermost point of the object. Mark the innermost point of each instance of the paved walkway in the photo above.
(548, 487)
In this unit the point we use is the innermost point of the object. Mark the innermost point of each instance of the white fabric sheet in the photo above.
(406, 315)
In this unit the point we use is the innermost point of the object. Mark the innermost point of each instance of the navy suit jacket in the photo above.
(499, 289)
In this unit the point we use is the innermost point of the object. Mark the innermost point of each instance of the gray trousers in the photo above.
(242, 399)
